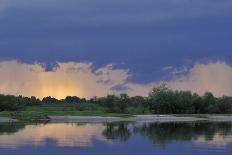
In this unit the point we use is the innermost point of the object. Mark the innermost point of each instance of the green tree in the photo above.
(122, 103)
(224, 105)
(72, 99)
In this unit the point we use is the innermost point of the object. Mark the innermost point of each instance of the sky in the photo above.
(93, 48)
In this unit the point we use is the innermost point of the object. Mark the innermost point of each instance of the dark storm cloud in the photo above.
(138, 33)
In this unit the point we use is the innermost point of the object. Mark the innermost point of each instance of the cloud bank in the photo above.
(69, 78)
(81, 79)
(215, 77)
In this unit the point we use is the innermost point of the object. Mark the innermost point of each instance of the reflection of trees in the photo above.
(165, 133)
(10, 128)
(117, 131)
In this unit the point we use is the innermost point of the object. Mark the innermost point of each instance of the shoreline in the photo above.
(139, 118)
(135, 118)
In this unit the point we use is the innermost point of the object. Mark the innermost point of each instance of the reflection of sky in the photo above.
(68, 135)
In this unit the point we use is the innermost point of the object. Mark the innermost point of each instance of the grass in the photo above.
(5, 114)
(40, 112)
(72, 110)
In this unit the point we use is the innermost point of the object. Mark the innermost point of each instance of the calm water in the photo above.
(116, 138)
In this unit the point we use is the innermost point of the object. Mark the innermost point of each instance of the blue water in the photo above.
(116, 138)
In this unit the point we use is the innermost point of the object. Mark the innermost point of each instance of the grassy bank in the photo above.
(42, 111)
(38, 112)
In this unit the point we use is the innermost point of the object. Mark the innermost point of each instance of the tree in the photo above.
(50, 100)
(164, 100)
(123, 102)
(159, 89)
(110, 102)
(209, 103)
(161, 99)
(11, 103)
(224, 105)
(140, 102)
(72, 99)
(198, 104)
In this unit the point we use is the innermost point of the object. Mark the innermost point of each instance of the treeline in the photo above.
(68, 99)
(13, 103)
(161, 100)
(124, 104)
(166, 101)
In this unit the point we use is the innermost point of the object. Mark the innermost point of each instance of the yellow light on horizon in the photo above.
(57, 85)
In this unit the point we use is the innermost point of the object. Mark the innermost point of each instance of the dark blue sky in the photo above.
(142, 35)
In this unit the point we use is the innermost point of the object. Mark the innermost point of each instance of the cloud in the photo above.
(81, 79)
(173, 70)
(213, 76)
(167, 68)
(202, 77)
(70, 78)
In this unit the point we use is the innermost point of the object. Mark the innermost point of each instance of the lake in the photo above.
(116, 138)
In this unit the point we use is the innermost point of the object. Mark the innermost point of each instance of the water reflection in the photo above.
(205, 132)
(13, 136)
(9, 128)
(69, 135)
(117, 131)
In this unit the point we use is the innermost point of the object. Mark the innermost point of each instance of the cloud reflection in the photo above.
(65, 135)
(218, 141)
